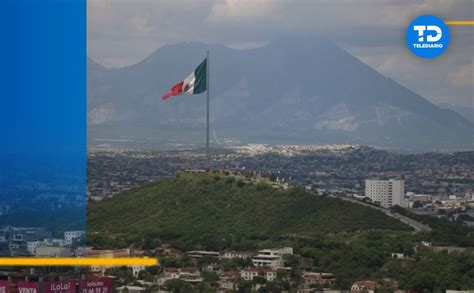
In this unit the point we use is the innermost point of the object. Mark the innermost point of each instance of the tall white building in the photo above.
(386, 192)
(70, 236)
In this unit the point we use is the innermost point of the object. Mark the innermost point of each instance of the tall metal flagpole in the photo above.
(207, 90)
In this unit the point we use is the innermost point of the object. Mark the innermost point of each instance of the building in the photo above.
(130, 289)
(213, 268)
(190, 275)
(312, 278)
(105, 254)
(236, 254)
(13, 240)
(53, 251)
(196, 254)
(251, 273)
(167, 250)
(271, 257)
(70, 236)
(136, 269)
(228, 281)
(31, 246)
(387, 193)
(364, 286)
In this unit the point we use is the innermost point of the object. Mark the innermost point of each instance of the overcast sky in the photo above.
(123, 32)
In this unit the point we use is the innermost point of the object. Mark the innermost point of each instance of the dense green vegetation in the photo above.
(368, 256)
(351, 257)
(433, 272)
(328, 235)
(444, 232)
(216, 212)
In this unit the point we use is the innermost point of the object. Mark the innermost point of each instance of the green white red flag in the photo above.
(195, 83)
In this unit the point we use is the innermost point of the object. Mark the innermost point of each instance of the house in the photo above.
(228, 282)
(312, 278)
(253, 272)
(105, 253)
(213, 268)
(226, 285)
(31, 246)
(167, 250)
(196, 254)
(398, 255)
(271, 257)
(235, 254)
(190, 275)
(313, 290)
(130, 289)
(136, 270)
(53, 251)
(170, 273)
(364, 286)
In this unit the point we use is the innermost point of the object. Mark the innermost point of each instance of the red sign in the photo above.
(4, 287)
(60, 287)
(100, 285)
(28, 287)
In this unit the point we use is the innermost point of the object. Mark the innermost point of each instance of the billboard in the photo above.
(4, 287)
(60, 287)
(28, 287)
(100, 285)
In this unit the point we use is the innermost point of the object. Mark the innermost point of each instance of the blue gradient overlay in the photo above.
(43, 114)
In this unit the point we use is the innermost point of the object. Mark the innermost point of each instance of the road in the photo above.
(419, 227)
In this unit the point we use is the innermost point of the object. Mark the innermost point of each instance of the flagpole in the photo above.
(207, 118)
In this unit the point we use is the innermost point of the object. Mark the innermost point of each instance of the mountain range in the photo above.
(290, 91)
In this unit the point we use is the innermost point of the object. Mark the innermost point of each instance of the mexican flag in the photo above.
(194, 84)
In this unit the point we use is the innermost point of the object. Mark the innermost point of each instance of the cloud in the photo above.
(463, 76)
(122, 32)
(242, 10)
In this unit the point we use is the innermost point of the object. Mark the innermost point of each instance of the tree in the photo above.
(210, 277)
(124, 274)
(240, 183)
(417, 204)
(206, 260)
(291, 260)
(145, 275)
(204, 288)
(176, 285)
(244, 286)
(259, 280)
(153, 270)
(270, 287)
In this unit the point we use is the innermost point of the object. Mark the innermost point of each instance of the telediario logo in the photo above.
(427, 36)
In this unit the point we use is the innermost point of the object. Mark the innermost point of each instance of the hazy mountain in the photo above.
(466, 112)
(289, 91)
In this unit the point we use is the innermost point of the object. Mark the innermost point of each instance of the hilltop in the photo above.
(216, 211)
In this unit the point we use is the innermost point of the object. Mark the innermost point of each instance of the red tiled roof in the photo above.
(372, 285)
(172, 270)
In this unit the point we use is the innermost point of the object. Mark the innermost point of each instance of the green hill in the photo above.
(217, 211)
